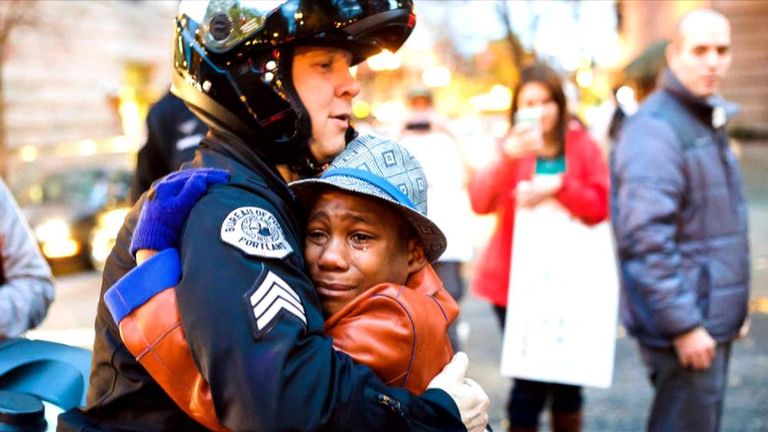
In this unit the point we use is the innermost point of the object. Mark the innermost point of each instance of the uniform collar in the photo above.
(266, 174)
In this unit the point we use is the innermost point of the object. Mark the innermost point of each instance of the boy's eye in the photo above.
(360, 239)
(317, 236)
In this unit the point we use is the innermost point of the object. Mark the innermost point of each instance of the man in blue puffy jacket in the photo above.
(681, 228)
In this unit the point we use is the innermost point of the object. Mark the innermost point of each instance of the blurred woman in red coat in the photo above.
(543, 139)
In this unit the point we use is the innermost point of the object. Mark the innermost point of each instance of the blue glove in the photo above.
(168, 205)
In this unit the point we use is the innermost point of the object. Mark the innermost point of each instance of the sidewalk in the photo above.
(623, 407)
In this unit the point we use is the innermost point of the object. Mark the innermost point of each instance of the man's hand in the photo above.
(695, 349)
(467, 394)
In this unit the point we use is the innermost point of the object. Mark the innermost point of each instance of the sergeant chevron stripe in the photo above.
(272, 296)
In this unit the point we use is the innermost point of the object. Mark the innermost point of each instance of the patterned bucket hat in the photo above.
(380, 168)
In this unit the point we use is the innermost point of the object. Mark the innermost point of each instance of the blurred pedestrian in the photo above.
(173, 135)
(681, 227)
(609, 118)
(427, 137)
(576, 176)
(272, 81)
(26, 282)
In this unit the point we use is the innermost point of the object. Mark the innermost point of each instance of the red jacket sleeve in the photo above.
(489, 184)
(585, 182)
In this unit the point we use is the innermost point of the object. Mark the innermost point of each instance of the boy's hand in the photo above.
(168, 205)
(145, 254)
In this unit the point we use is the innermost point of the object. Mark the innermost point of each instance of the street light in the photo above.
(28, 153)
(436, 76)
(385, 60)
(497, 99)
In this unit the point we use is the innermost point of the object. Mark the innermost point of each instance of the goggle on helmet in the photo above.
(232, 60)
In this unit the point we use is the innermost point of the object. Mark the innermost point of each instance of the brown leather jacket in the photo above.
(400, 332)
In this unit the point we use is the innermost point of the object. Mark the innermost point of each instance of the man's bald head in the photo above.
(699, 54)
(698, 19)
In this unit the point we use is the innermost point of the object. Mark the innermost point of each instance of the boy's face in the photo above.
(354, 243)
(326, 87)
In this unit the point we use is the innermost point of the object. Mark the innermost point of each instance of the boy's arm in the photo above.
(142, 255)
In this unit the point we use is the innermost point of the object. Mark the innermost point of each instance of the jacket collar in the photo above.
(714, 110)
(425, 280)
(236, 149)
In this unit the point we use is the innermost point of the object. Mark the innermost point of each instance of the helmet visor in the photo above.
(368, 24)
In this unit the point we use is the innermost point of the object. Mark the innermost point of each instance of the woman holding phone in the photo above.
(546, 154)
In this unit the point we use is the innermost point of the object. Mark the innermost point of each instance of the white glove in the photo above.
(466, 393)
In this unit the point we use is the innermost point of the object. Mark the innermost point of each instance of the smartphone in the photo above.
(530, 116)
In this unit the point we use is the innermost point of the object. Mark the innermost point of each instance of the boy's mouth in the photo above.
(333, 287)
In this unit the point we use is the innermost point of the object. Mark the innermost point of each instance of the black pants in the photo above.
(527, 398)
(684, 399)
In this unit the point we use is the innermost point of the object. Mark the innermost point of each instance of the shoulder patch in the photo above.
(268, 300)
(256, 232)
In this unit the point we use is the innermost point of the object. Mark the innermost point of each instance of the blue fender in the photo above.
(53, 372)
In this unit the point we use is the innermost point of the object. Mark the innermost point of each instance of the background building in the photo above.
(78, 76)
(643, 22)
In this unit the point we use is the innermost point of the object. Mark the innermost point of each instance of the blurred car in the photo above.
(104, 233)
(63, 207)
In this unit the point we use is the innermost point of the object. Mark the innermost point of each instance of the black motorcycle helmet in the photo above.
(233, 61)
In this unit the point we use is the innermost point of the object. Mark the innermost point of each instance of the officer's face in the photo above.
(326, 88)
(700, 55)
(354, 243)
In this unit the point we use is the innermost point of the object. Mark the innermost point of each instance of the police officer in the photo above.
(173, 134)
(274, 87)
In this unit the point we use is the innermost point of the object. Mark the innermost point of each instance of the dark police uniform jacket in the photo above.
(254, 326)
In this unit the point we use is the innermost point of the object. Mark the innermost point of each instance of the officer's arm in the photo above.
(255, 331)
